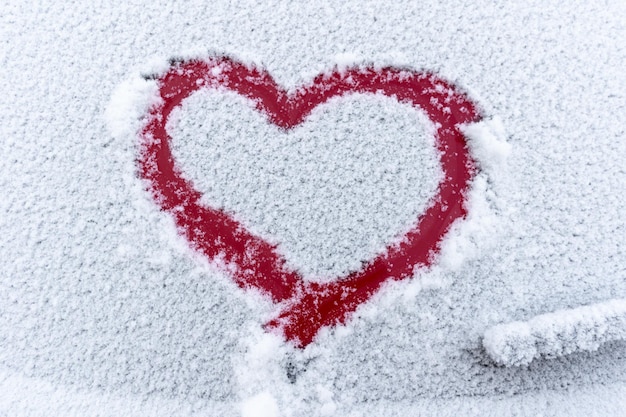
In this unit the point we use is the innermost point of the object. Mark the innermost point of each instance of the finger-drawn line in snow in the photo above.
(306, 307)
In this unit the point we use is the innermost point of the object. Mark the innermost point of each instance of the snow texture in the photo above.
(104, 309)
(337, 173)
(556, 334)
(261, 405)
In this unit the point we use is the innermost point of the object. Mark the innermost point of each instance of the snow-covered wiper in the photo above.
(556, 334)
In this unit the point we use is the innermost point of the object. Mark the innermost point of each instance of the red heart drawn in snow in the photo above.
(253, 262)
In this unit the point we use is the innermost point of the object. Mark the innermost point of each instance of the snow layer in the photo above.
(327, 192)
(104, 310)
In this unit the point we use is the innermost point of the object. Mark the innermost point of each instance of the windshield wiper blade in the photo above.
(556, 334)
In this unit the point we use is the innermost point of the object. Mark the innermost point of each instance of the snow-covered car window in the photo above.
(312, 209)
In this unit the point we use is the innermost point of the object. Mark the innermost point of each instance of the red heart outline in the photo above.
(253, 262)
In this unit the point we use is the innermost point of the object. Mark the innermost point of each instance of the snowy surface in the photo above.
(105, 311)
(327, 192)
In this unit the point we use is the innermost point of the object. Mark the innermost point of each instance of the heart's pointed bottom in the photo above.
(319, 305)
(315, 307)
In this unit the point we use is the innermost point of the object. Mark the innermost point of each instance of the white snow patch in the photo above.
(259, 372)
(486, 208)
(130, 101)
(346, 60)
(261, 405)
(487, 141)
(325, 396)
